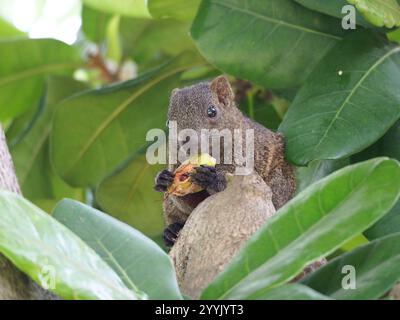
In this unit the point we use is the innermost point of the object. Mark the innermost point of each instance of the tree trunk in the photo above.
(13, 283)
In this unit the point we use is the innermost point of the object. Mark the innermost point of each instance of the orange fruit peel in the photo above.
(183, 184)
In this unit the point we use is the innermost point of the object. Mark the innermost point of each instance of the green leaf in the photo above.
(316, 170)
(95, 131)
(184, 10)
(387, 146)
(41, 247)
(389, 224)
(137, 259)
(114, 50)
(19, 126)
(22, 74)
(260, 110)
(335, 113)
(331, 8)
(149, 42)
(132, 8)
(354, 242)
(312, 225)
(291, 292)
(128, 195)
(376, 268)
(382, 13)
(275, 43)
(30, 154)
(94, 23)
(394, 35)
(8, 30)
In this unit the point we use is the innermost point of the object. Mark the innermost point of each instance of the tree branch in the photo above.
(13, 283)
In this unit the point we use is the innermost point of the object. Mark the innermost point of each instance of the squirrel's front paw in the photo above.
(208, 178)
(163, 180)
(171, 233)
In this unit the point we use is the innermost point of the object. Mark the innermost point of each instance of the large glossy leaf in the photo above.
(376, 268)
(128, 195)
(97, 130)
(332, 8)
(348, 102)
(312, 225)
(275, 43)
(138, 260)
(22, 74)
(42, 247)
(184, 10)
(291, 292)
(317, 170)
(382, 13)
(30, 154)
(133, 8)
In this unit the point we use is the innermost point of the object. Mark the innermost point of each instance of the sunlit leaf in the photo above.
(7, 30)
(382, 13)
(41, 247)
(135, 258)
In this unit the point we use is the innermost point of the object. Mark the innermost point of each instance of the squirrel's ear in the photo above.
(223, 90)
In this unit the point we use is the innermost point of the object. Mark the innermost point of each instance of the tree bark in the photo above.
(13, 283)
(395, 292)
(216, 230)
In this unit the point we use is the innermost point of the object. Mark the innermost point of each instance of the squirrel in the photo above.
(211, 105)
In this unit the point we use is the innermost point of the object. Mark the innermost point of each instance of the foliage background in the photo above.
(76, 115)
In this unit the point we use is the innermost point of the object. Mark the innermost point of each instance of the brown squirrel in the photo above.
(211, 105)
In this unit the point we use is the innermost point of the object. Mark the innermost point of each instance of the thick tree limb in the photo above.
(13, 283)
(217, 228)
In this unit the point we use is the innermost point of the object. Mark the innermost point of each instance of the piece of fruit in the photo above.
(183, 184)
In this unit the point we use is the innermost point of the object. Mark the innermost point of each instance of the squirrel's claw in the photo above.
(163, 180)
(171, 234)
(208, 178)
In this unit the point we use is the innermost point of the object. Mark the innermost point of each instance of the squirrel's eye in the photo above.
(211, 111)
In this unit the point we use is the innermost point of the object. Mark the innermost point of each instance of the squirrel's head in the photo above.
(206, 105)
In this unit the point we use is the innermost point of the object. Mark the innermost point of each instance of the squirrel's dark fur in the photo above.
(188, 107)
